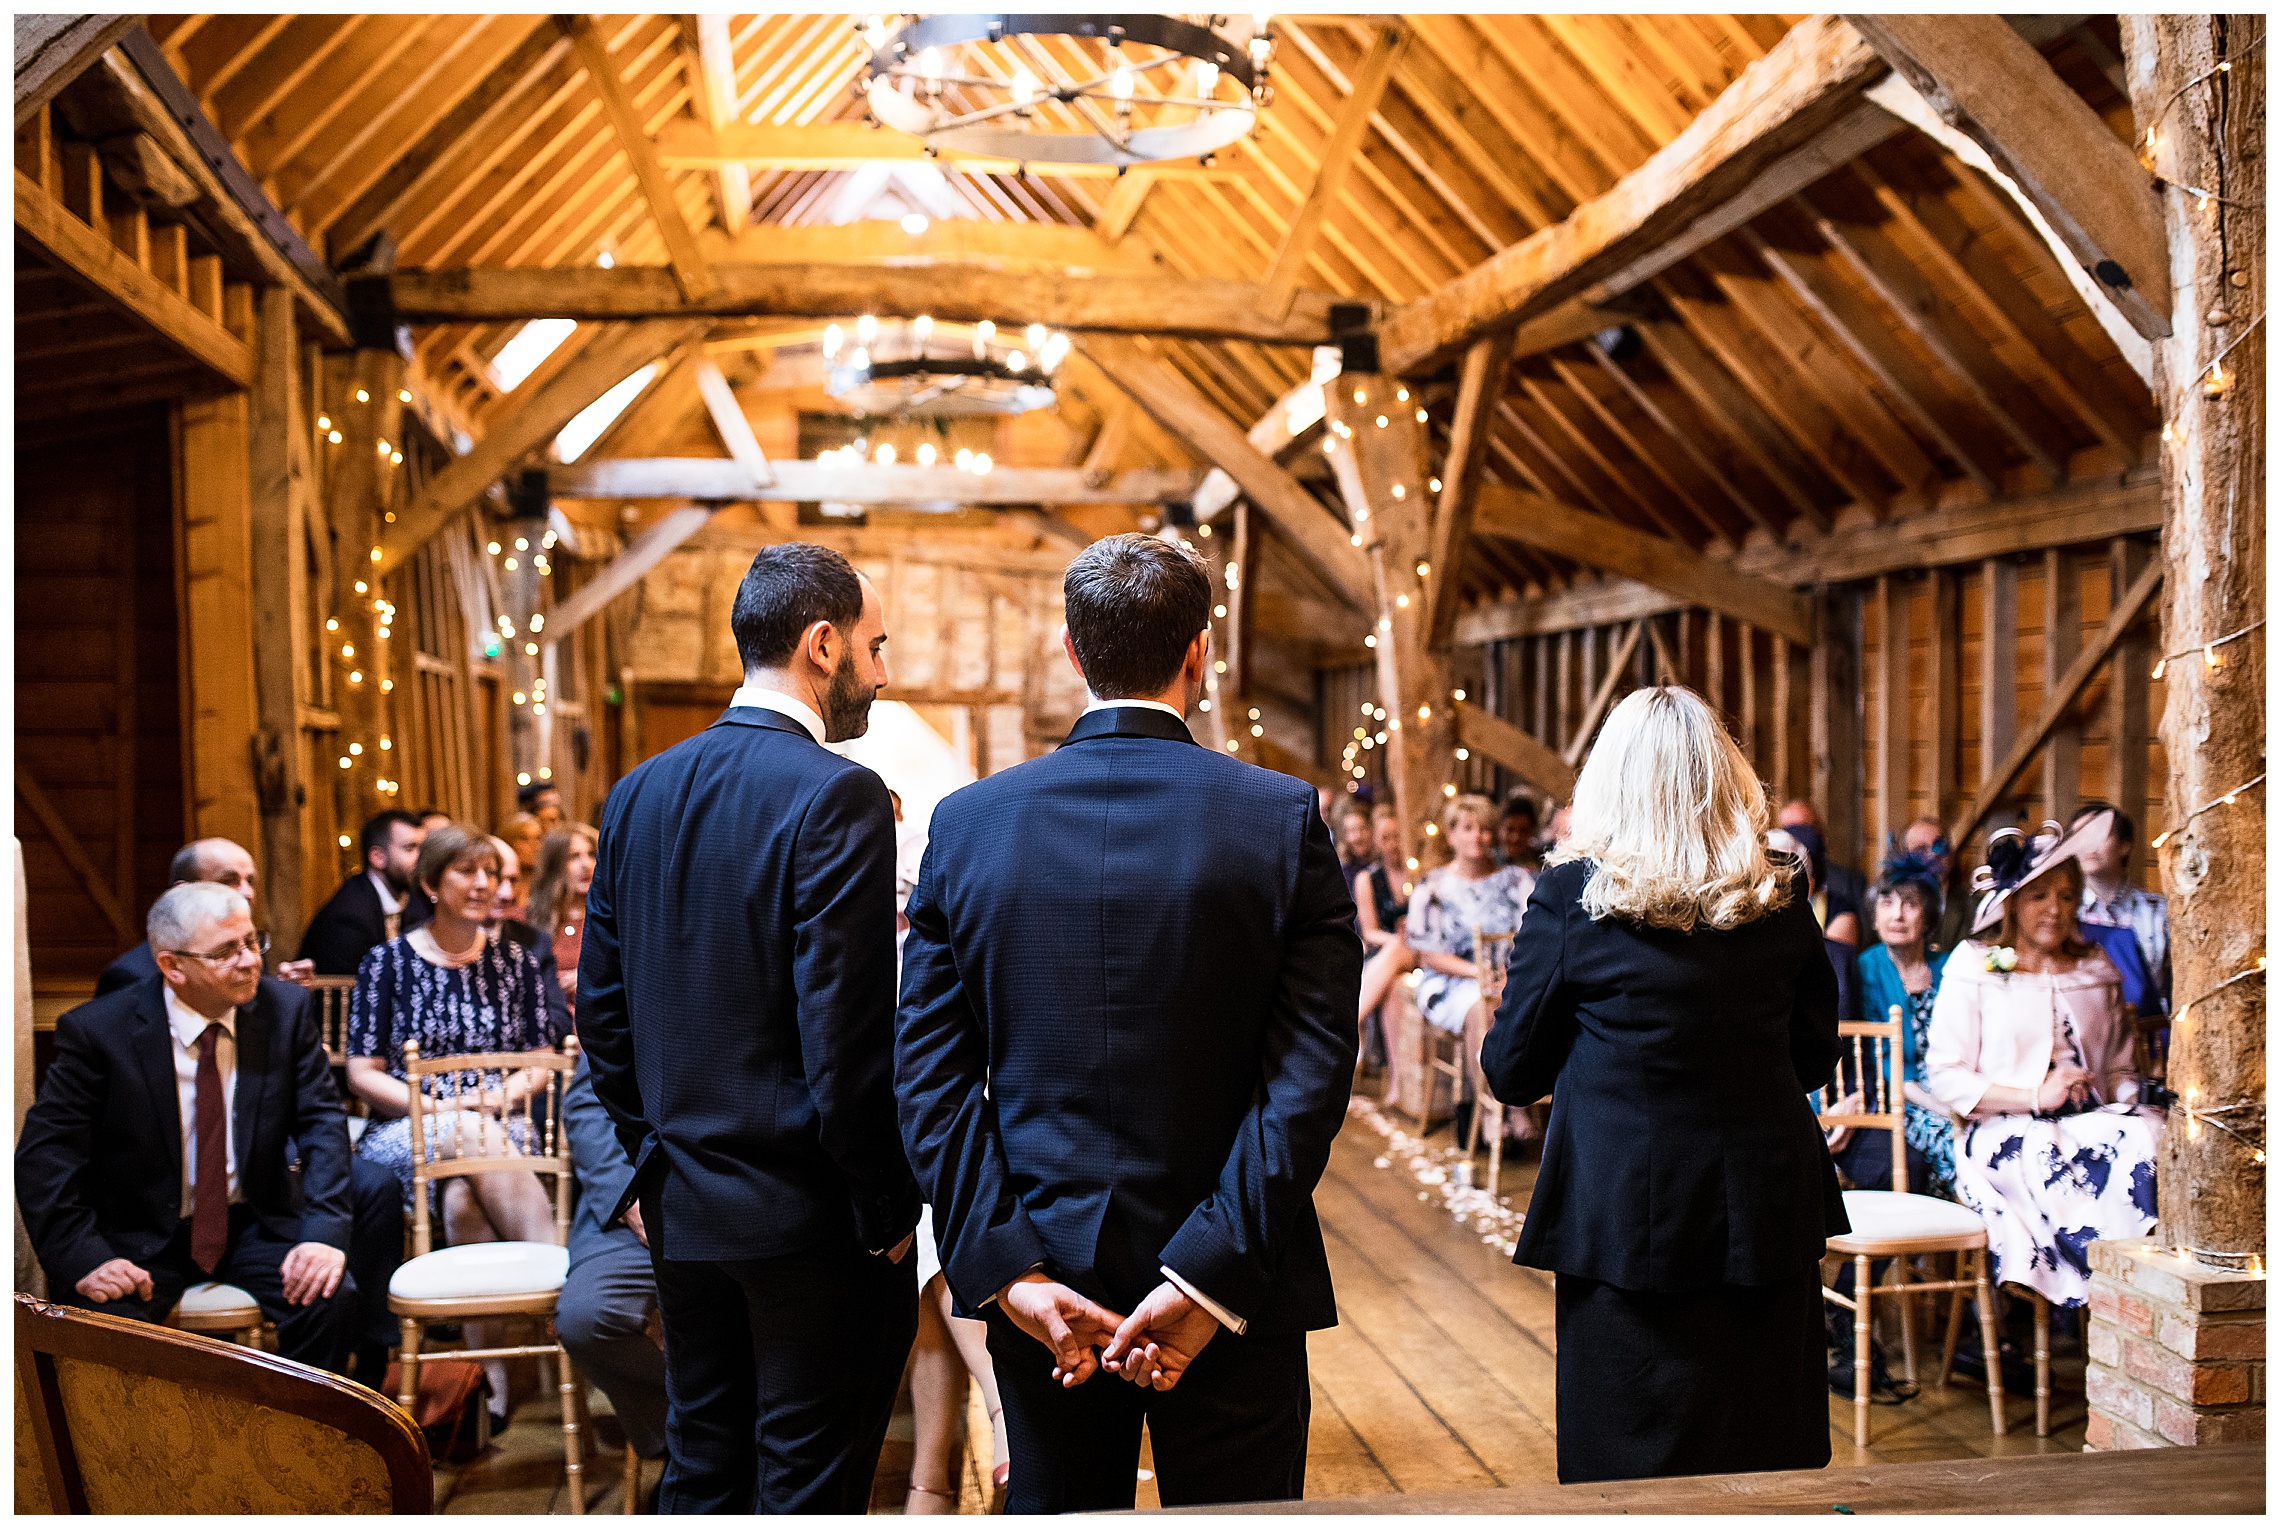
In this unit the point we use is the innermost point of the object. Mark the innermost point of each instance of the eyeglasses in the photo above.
(256, 946)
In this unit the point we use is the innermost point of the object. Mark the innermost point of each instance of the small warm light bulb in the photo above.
(1360, 396)
(346, 841)
(1402, 601)
(1424, 570)
(403, 395)
(513, 564)
(866, 329)
(348, 650)
(1400, 491)
(1024, 87)
(2159, 666)
(356, 677)
(332, 624)
(982, 462)
(523, 779)
(334, 437)
(925, 453)
(1219, 611)
(922, 326)
(886, 455)
(914, 224)
(356, 748)
(522, 544)
(2209, 655)
(1456, 695)
(1421, 416)
(386, 686)
(832, 335)
(1448, 790)
(324, 422)
(362, 396)
(1424, 713)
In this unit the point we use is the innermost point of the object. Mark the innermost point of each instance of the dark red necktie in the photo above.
(210, 1202)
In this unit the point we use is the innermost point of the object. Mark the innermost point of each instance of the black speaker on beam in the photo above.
(1355, 335)
(1179, 512)
(527, 496)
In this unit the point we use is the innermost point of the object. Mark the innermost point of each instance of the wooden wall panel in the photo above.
(98, 698)
(221, 709)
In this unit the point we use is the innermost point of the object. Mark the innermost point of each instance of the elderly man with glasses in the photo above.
(155, 1156)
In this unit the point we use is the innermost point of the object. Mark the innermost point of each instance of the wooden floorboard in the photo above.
(2216, 1478)
(1439, 1377)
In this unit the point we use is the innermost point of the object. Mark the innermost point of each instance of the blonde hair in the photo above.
(1673, 819)
(1478, 808)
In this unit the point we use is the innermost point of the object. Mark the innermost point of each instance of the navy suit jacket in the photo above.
(736, 994)
(1127, 1029)
(135, 966)
(99, 1162)
(602, 1169)
(351, 923)
(1681, 1152)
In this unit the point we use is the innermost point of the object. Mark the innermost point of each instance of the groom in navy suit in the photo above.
(736, 1005)
(1125, 1042)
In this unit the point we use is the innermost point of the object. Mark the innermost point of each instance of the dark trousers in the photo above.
(316, 1334)
(1233, 1430)
(375, 1248)
(780, 1378)
(603, 1317)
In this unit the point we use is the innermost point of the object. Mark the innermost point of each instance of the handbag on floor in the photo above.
(452, 1407)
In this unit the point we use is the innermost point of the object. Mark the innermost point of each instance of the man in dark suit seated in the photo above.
(610, 1293)
(155, 1155)
(376, 904)
(221, 861)
(1125, 1043)
(736, 1005)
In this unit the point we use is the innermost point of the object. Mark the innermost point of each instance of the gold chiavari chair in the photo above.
(454, 1135)
(1492, 952)
(1868, 1095)
(331, 995)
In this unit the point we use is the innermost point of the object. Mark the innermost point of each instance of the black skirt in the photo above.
(1691, 1383)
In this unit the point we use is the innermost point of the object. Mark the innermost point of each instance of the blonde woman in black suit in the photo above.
(1668, 989)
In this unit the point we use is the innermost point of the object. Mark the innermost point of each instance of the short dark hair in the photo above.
(525, 795)
(1133, 604)
(424, 813)
(445, 847)
(1520, 805)
(377, 826)
(788, 589)
(2123, 828)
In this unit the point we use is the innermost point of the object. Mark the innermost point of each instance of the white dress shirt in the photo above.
(776, 701)
(390, 903)
(188, 1024)
(1225, 1318)
(1096, 704)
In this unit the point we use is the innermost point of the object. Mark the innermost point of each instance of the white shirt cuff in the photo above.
(1226, 1318)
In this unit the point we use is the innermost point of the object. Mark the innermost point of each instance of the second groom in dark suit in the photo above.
(736, 1004)
(1125, 1042)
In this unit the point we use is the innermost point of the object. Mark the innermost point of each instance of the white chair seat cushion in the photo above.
(1881, 1215)
(215, 1300)
(481, 1269)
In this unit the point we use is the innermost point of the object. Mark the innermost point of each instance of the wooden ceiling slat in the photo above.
(1467, 77)
(1561, 418)
(513, 54)
(1620, 417)
(1568, 92)
(556, 105)
(219, 52)
(1675, 416)
(339, 111)
(257, 90)
(1723, 400)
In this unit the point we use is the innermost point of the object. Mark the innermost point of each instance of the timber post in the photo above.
(367, 415)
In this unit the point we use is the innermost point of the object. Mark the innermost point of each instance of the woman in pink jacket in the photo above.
(2030, 1045)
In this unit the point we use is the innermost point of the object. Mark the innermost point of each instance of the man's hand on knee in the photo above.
(1073, 1327)
(113, 1279)
(311, 1272)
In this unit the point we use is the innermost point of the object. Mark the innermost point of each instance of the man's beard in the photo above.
(847, 702)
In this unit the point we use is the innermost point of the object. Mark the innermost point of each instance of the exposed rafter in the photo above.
(902, 483)
(690, 268)
(1288, 271)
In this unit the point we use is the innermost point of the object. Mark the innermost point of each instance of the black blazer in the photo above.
(99, 1163)
(1682, 1151)
(1127, 1032)
(133, 967)
(736, 994)
(351, 923)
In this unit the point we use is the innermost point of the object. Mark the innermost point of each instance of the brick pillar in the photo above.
(2176, 1350)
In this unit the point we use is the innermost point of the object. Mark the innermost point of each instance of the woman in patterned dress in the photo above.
(1904, 969)
(455, 992)
(1471, 892)
(2031, 1045)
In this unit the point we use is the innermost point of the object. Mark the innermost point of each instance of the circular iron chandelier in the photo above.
(993, 378)
(1131, 90)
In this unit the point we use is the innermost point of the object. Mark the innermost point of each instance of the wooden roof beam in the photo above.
(684, 145)
(1336, 163)
(52, 51)
(690, 268)
(1319, 538)
(1204, 310)
(723, 478)
(1479, 384)
(1987, 82)
(1710, 582)
(713, 82)
(1534, 761)
(1783, 101)
(529, 425)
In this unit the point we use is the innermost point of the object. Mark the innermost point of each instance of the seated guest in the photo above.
(1357, 847)
(373, 906)
(2109, 900)
(1381, 908)
(222, 862)
(155, 1156)
(1470, 893)
(1840, 924)
(1927, 840)
(2028, 1044)
(542, 799)
(610, 1295)
(1516, 833)
(1902, 969)
(506, 920)
(431, 817)
(455, 993)
(523, 835)
(558, 900)
(1840, 882)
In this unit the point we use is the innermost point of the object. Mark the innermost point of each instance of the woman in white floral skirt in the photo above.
(2030, 1044)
